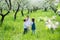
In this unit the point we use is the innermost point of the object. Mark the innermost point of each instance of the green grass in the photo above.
(13, 30)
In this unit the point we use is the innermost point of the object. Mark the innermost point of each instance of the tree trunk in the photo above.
(31, 11)
(15, 16)
(10, 4)
(54, 9)
(3, 15)
(45, 9)
(2, 19)
(1, 10)
(28, 11)
(22, 12)
(16, 12)
(13, 10)
(7, 3)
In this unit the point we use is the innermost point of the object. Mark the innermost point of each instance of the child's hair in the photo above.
(27, 16)
(24, 20)
(33, 19)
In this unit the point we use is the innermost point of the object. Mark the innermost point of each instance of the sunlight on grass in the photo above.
(13, 30)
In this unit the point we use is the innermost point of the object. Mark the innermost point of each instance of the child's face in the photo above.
(27, 17)
(33, 20)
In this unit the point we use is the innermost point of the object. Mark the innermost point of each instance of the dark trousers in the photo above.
(25, 30)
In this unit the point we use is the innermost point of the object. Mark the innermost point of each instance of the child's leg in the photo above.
(25, 30)
(33, 31)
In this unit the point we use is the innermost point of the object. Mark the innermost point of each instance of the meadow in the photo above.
(13, 30)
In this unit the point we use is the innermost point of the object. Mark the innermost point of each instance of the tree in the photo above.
(53, 5)
(16, 11)
(1, 9)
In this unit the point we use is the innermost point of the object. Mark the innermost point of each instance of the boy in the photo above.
(33, 26)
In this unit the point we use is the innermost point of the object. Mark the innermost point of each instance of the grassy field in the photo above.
(13, 30)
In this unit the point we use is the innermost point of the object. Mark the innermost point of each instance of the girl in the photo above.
(25, 27)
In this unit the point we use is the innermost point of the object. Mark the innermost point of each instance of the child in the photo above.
(25, 27)
(28, 22)
(33, 26)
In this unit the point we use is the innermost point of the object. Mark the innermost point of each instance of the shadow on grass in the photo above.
(58, 30)
(7, 28)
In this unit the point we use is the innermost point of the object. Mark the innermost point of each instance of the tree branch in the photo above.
(10, 4)
(7, 3)
(7, 13)
(9, 7)
(1, 10)
(16, 11)
(1, 14)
